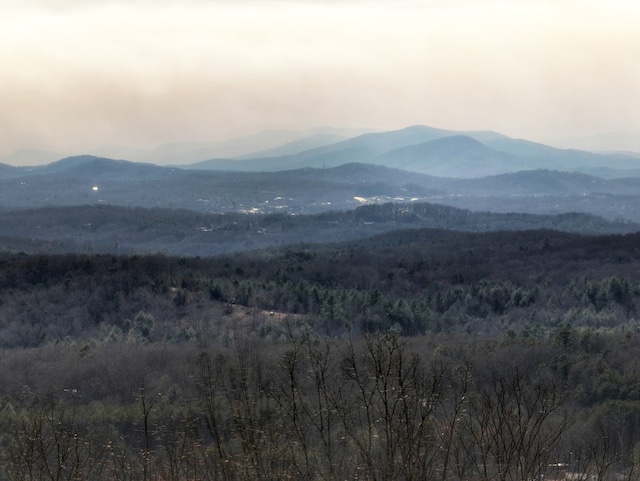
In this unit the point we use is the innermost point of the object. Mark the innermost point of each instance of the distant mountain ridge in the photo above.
(418, 148)
(30, 157)
(297, 145)
(470, 157)
(479, 171)
(267, 143)
(364, 148)
(91, 180)
(80, 165)
(438, 152)
(606, 142)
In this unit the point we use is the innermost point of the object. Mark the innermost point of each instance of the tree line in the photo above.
(417, 282)
(376, 407)
(110, 229)
(421, 354)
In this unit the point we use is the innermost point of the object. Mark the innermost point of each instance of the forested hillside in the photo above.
(392, 357)
(378, 407)
(108, 229)
(417, 281)
(87, 180)
(198, 283)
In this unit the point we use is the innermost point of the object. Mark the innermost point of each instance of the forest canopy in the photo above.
(418, 354)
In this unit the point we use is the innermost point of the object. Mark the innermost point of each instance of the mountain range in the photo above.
(438, 152)
(479, 172)
(417, 148)
(266, 143)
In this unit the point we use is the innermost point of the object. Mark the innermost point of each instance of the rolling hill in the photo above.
(135, 230)
(89, 180)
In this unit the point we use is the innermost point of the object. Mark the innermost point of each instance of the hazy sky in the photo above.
(82, 73)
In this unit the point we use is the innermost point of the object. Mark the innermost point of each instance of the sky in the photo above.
(77, 74)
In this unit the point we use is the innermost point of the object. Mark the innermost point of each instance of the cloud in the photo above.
(79, 73)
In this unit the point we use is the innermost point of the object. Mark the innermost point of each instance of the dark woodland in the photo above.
(346, 321)
(417, 354)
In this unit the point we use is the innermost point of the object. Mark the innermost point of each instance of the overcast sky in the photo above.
(81, 73)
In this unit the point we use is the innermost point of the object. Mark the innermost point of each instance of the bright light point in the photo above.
(94, 188)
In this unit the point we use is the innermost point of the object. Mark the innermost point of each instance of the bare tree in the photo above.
(386, 406)
(513, 429)
(49, 442)
(208, 382)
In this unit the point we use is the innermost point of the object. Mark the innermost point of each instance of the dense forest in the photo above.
(417, 354)
(320, 313)
(107, 229)
(418, 281)
(380, 407)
